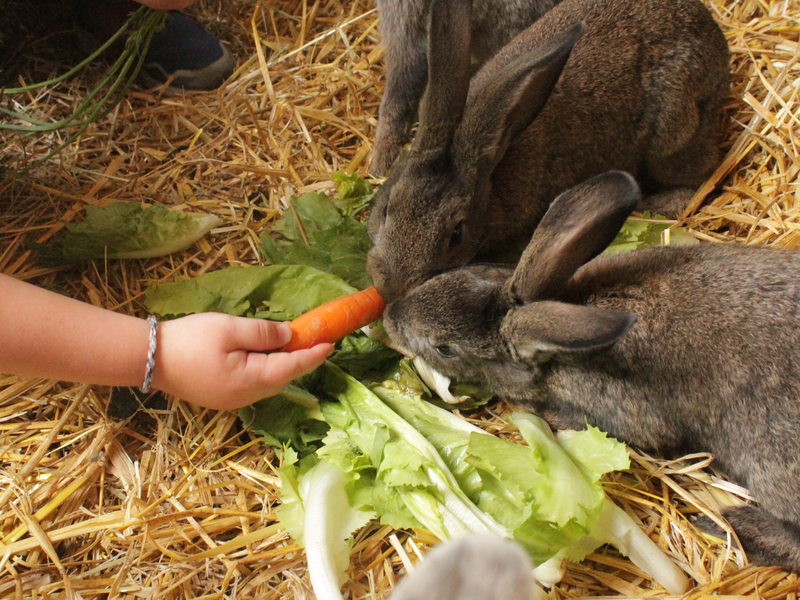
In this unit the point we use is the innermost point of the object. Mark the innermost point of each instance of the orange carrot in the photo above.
(335, 319)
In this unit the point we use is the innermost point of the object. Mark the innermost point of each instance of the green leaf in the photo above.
(594, 451)
(313, 232)
(638, 232)
(353, 193)
(278, 292)
(126, 230)
(282, 421)
(365, 359)
(403, 458)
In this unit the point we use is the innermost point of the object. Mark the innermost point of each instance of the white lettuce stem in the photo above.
(617, 528)
(327, 485)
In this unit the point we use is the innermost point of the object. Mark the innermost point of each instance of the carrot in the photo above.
(335, 319)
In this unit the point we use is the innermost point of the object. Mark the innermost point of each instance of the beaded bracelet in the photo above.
(151, 355)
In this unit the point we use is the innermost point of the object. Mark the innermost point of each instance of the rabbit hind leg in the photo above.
(768, 540)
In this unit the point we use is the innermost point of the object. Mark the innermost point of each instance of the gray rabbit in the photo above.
(675, 349)
(642, 87)
(476, 567)
(404, 32)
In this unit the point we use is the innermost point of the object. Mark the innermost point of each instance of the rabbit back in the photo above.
(712, 364)
(642, 92)
(714, 351)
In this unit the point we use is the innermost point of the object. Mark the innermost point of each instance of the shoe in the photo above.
(184, 50)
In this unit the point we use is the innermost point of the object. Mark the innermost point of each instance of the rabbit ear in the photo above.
(578, 226)
(449, 71)
(505, 99)
(545, 328)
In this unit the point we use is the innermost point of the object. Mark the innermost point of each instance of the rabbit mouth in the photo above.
(436, 381)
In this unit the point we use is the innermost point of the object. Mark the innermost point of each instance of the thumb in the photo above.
(258, 335)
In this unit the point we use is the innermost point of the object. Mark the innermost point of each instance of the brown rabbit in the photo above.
(476, 567)
(676, 349)
(404, 32)
(641, 91)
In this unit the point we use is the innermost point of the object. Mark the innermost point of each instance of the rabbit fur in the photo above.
(674, 349)
(475, 567)
(404, 33)
(641, 91)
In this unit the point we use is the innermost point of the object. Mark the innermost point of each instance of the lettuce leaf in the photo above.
(126, 230)
(353, 193)
(638, 232)
(278, 292)
(547, 501)
(314, 233)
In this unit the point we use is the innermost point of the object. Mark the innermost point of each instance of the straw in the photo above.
(103, 496)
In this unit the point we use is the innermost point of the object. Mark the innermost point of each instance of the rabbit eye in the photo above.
(456, 236)
(445, 351)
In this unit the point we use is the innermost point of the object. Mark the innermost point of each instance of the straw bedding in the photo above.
(104, 495)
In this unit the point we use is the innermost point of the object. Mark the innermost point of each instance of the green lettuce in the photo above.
(413, 464)
(353, 193)
(638, 232)
(126, 230)
(278, 292)
(314, 233)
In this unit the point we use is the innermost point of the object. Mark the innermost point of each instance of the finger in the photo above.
(258, 335)
(280, 368)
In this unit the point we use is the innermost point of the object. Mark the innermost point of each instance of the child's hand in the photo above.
(221, 362)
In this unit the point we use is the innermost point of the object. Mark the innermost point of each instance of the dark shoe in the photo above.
(184, 50)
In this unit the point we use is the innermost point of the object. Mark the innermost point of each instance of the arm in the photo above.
(212, 360)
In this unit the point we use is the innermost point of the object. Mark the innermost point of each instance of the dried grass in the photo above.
(178, 502)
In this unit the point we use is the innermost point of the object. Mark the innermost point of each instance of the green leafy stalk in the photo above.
(330, 522)
(144, 22)
(638, 232)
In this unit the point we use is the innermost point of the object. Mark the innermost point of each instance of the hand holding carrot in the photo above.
(224, 362)
(219, 361)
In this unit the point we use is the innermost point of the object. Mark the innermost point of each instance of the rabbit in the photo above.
(671, 349)
(641, 91)
(474, 567)
(404, 30)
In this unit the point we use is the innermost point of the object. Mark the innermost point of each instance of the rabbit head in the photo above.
(495, 326)
(432, 213)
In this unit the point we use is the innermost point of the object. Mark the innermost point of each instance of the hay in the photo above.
(165, 500)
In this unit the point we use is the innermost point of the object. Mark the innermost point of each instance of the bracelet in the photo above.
(151, 355)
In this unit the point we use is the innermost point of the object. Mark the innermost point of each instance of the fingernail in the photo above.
(284, 333)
